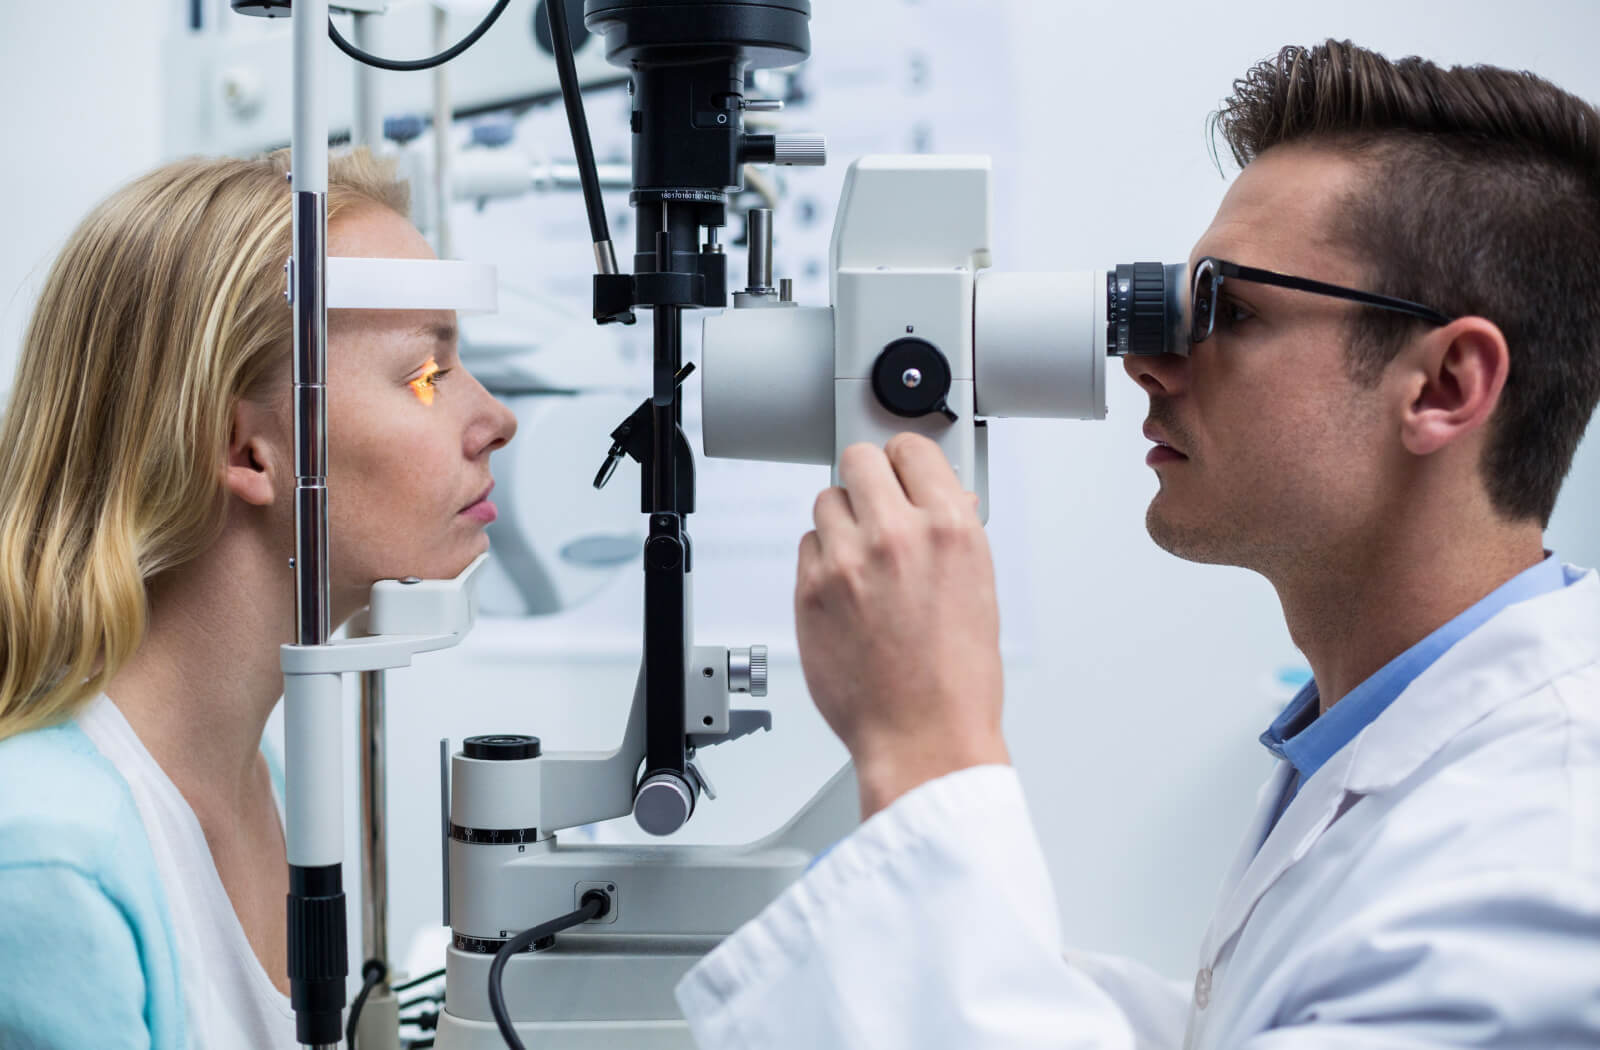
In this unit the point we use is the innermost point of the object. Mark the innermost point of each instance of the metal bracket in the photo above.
(740, 724)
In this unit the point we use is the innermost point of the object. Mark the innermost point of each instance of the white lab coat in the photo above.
(1435, 884)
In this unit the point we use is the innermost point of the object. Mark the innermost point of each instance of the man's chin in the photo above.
(1191, 541)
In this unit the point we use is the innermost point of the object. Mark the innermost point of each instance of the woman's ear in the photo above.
(252, 467)
(1454, 377)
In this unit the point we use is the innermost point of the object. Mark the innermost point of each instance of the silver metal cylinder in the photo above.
(311, 419)
(759, 235)
(664, 804)
(570, 177)
(374, 824)
(747, 670)
(806, 150)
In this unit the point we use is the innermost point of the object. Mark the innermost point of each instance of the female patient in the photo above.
(146, 530)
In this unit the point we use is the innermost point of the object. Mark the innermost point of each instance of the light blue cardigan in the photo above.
(87, 957)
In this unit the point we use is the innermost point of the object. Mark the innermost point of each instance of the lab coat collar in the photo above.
(1520, 649)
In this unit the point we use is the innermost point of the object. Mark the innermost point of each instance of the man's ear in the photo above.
(252, 466)
(1452, 379)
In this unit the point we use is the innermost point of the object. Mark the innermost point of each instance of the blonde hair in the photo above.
(163, 311)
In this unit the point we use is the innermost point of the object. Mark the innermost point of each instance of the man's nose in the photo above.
(1166, 374)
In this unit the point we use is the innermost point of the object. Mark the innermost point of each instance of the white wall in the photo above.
(1136, 683)
(82, 116)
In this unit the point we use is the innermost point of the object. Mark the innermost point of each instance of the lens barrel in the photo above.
(1145, 308)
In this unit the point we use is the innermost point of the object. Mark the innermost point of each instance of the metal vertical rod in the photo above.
(309, 160)
(310, 415)
(366, 126)
(443, 238)
(668, 359)
(666, 624)
(316, 925)
(374, 823)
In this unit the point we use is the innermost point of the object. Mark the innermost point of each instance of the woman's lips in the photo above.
(482, 511)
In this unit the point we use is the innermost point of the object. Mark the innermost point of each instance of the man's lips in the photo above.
(1159, 436)
(480, 497)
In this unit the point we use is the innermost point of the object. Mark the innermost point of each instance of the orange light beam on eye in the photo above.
(422, 386)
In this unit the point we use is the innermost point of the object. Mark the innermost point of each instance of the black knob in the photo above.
(912, 378)
(501, 747)
(1145, 308)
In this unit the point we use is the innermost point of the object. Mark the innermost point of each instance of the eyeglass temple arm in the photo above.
(1305, 284)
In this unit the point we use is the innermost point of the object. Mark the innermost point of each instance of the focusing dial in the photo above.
(1145, 310)
(912, 378)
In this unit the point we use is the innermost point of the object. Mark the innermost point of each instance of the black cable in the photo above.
(424, 979)
(567, 72)
(422, 63)
(372, 972)
(595, 904)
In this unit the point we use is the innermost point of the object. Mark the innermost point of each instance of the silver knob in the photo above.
(663, 804)
(807, 149)
(912, 378)
(747, 670)
(761, 105)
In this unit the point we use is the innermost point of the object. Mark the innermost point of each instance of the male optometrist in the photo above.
(1395, 350)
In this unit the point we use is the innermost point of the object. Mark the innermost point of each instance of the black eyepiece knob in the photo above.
(501, 747)
(1145, 308)
(912, 378)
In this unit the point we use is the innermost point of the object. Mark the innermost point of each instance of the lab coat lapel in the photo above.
(1515, 652)
(1266, 806)
(1307, 817)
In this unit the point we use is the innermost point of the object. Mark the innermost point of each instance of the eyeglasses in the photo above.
(1210, 272)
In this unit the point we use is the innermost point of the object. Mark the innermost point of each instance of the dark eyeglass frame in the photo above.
(1220, 270)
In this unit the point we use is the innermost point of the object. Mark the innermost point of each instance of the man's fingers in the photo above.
(810, 552)
(833, 515)
(875, 492)
(924, 473)
(805, 572)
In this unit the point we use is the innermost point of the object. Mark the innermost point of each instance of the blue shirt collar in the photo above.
(1300, 737)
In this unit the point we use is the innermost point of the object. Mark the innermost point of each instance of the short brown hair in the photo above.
(1483, 198)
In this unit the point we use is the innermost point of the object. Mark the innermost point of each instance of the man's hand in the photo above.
(895, 612)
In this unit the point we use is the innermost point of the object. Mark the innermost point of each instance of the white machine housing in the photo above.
(911, 241)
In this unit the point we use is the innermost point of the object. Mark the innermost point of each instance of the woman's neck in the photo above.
(202, 684)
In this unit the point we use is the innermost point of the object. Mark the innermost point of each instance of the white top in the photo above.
(230, 1001)
(1436, 884)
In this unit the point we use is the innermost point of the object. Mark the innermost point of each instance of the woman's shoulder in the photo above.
(85, 902)
(62, 801)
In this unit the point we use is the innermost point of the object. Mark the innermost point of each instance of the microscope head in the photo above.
(921, 336)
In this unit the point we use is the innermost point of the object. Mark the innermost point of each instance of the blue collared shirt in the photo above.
(1306, 741)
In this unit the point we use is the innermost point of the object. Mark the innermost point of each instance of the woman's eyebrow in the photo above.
(440, 332)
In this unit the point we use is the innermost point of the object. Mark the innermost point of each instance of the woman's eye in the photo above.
(423, 386)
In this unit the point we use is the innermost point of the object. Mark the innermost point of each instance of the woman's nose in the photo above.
(1166, 374)
(495, 425)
